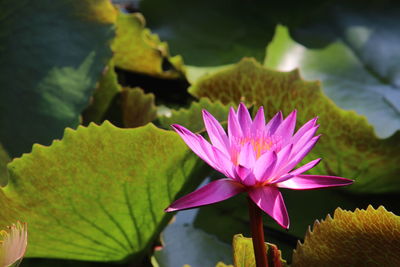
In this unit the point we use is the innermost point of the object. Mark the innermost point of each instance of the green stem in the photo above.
(257, 233)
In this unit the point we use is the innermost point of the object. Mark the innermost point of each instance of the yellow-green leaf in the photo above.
(136, 49)
(243, 253)
(98, 194)
(361, 238)
(138, 108)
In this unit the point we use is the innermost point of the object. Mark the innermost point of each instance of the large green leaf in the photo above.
(211, 32)
(53, 53)
(349, 147)
(353, 72)
(368, 237)
(98, 194)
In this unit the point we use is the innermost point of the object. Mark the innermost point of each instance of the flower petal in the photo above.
(234, 130)
(270, 200)
(265, 165)
(303, 182)
(283, 159)
(305, 167)
(247, 156)
(304, 139)
(246, 175)
(296, 158)
(225, 164)
(273, 124)
(216, 133)
(286, 128)
(244, 119)
(298, 171)
(303, 129)
(257, 127)
(213, 192)
(198, 145)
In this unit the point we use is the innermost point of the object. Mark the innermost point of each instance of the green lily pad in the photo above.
(349, 77)
(243, 253)
(136, 49)
(108, 87)
(98, 194)
(53, 53)
(349, 147)
(138, 108)
(229, 31)
(368, 237)
(192, 118)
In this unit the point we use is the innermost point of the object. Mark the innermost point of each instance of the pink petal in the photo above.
(224, 163)
(298, 156)
(246, 175)
(286, 128)
(303, 129)
(273, 124)
(198, 145)
(234, 129)
(302, 153)
(213, 192)
(216, 132)
(303, 182)
(270, 200)
(305, 167)
(282, 161)
(265, 165)
(304, 139)
(258, 124)
(244, 118)
(247, 156)
(298, 171)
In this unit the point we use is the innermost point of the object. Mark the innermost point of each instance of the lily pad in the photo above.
(98, 194)
(349, 147)
(138, 108)
(136, 49)
(108, 87)
(53, 53)
(349, 77)
(243, 253)
(368, 237)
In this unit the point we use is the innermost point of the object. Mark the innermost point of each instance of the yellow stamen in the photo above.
(260, 144)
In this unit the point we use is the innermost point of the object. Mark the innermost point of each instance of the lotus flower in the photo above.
(256, 158)
(13, 244)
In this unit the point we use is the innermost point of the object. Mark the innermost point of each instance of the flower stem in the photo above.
(257, 233)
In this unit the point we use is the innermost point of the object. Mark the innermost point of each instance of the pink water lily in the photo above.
(257, 158)
(13, 244)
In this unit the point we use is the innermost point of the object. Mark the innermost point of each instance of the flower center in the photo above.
(260, 144)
